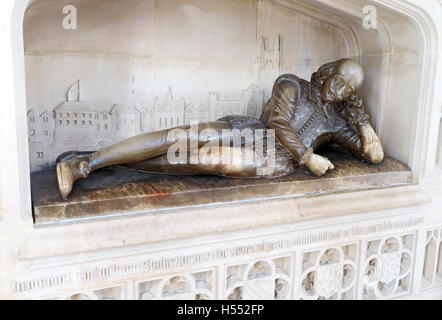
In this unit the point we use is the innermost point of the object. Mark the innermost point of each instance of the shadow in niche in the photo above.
(118, 190)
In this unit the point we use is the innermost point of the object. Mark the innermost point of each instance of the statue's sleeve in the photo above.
(280, 115)
(350, 140)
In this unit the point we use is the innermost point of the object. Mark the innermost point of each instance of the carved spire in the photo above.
(73, 94)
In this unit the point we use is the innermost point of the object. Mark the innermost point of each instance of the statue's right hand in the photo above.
(319, 165)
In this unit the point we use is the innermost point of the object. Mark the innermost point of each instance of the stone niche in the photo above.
(132, 66)
(123, 68)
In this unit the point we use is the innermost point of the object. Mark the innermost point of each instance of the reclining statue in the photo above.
(304, 115)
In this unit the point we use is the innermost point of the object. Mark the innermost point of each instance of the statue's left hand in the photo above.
(354, 111)
(371, 145)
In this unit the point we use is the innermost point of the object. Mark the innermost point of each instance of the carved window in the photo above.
(388, 267)
(46, 133)
(432, 271)
(32, 132)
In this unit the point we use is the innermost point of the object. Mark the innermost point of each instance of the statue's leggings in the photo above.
(147, 152)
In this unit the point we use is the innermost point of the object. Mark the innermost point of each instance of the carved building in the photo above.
(270, 62)
(168, 112)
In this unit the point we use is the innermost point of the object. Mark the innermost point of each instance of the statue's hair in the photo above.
(327, 70)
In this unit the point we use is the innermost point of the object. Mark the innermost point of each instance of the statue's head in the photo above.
(339, 80)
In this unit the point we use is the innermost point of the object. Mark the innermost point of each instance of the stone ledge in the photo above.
(117, 191)
(194, 222)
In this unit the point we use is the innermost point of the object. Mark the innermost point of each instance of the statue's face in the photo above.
(343, 84)
(337, 89)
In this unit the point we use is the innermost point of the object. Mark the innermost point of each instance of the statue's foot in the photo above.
(69, 170)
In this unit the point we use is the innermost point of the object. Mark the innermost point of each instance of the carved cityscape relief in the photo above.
(78, 125)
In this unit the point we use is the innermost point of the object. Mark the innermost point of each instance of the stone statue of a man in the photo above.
(304, 115)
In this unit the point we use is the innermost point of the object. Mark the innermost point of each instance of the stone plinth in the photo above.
(122, 191)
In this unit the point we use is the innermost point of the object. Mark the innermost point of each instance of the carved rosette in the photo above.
(388, 267)
(329, 274)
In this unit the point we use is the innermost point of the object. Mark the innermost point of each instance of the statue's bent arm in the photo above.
(365, 145)
(281, 108)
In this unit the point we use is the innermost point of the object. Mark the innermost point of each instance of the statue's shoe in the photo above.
(71, 167)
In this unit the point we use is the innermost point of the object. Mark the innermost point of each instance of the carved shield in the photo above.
(262, 289)
(328, 279)
(388, 267)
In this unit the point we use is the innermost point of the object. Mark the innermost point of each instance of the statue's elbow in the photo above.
(377, 156)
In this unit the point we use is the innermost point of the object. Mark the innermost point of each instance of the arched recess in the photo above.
(404, 123)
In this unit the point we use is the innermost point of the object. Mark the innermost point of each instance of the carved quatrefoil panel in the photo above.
(266, 279)
(329, 274)
(191, 286)
(112, 293)
(387, 268)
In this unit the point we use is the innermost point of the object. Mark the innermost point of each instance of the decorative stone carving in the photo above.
(388, 267)
(73, 93)
(329, 274)
(81, 126)
(432, 269)
(329, 279)
(113, 293)
(195, 286)
(266, 279)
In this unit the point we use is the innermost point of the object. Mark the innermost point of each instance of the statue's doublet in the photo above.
(297, 107)
(301, 121)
